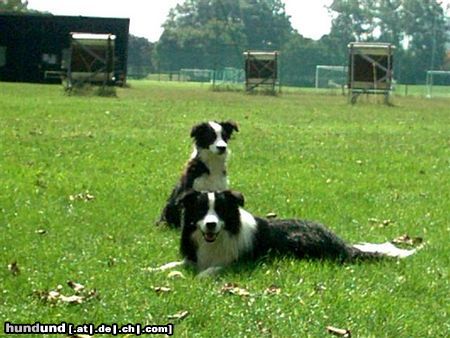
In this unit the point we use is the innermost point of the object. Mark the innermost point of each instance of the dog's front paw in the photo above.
(210, 272)
(165, 267)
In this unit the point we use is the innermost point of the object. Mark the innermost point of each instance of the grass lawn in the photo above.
(84, 178)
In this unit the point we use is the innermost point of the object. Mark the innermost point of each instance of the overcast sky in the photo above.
(309, 17)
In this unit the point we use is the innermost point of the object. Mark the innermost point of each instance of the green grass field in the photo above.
(84, 178)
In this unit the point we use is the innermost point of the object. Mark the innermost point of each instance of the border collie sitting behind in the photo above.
(217, 231)
(206, 169)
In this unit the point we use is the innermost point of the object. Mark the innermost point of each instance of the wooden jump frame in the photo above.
(261, 70)
(370, 69)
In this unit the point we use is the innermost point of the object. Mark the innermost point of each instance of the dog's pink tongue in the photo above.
(210, 237)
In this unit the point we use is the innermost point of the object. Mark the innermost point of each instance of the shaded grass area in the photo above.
(298, 154)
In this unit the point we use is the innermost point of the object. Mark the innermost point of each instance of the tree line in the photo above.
(213, 34)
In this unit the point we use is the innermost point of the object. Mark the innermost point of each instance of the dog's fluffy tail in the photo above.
(369, 250)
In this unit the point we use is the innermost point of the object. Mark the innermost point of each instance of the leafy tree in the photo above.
(18, 7)
(214, 33)
(13, 6)
(139, 56)
(424, 25)
(299, 58)
(415, 27)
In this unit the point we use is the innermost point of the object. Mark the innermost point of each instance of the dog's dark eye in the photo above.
(225, 136)
(223, 207)
(205, 138)
(196, 210)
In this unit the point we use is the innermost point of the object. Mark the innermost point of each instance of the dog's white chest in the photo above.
(211, 182)
(220, 253)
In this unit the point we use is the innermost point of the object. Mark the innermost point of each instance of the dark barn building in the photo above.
(33, 48)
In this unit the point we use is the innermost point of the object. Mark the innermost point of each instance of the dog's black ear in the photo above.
(198, 129)
(229, 127)
(235, 197)
(188, 197)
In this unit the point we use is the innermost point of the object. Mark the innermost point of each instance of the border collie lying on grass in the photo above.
(217, 231)
(206, 169)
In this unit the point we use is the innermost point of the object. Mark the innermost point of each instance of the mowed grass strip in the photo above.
(84, 178)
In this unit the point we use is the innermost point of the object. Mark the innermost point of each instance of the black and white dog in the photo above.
(206, 169)
(217, 231)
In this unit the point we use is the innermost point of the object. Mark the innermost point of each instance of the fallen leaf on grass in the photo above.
(75, 286)
(233, 289)
(179, 315)
(53, 296)
(41, 231)
(82, 196)
(320, 288)
(262, 329)
(175, 274)
(380, 223)
(56, 296)
(406, 239)
(273, 290)
(386, 222)
(74, 299)
(14, 268)
(161, 289)
(111, 261)
(271, 215)
(339, 332)
(164, 267)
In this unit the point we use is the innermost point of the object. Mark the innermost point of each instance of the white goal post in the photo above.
(430, 79)
(328, 76)
(196, 75)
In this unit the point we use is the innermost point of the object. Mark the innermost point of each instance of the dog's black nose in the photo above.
(221, 149)
(211, 226)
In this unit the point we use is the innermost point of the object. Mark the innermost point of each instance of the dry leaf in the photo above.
(320, 288)
(92, 294)
(161, 289)
(14, 268)
(86, 196)
(53, 296)
(75, 286)
(179, 315)
(41, 231)
(406, 239)
(263, 329)
(233, 289)
(271, 215)
(273, 290)
(339, 332)
(71, 299)
(175, 274)
(386, 222)
(380, 224)
(111, 261)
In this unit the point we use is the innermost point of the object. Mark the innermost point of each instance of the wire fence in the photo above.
(234, 79)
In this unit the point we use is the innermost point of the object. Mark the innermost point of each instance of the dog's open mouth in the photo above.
(209, 236)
